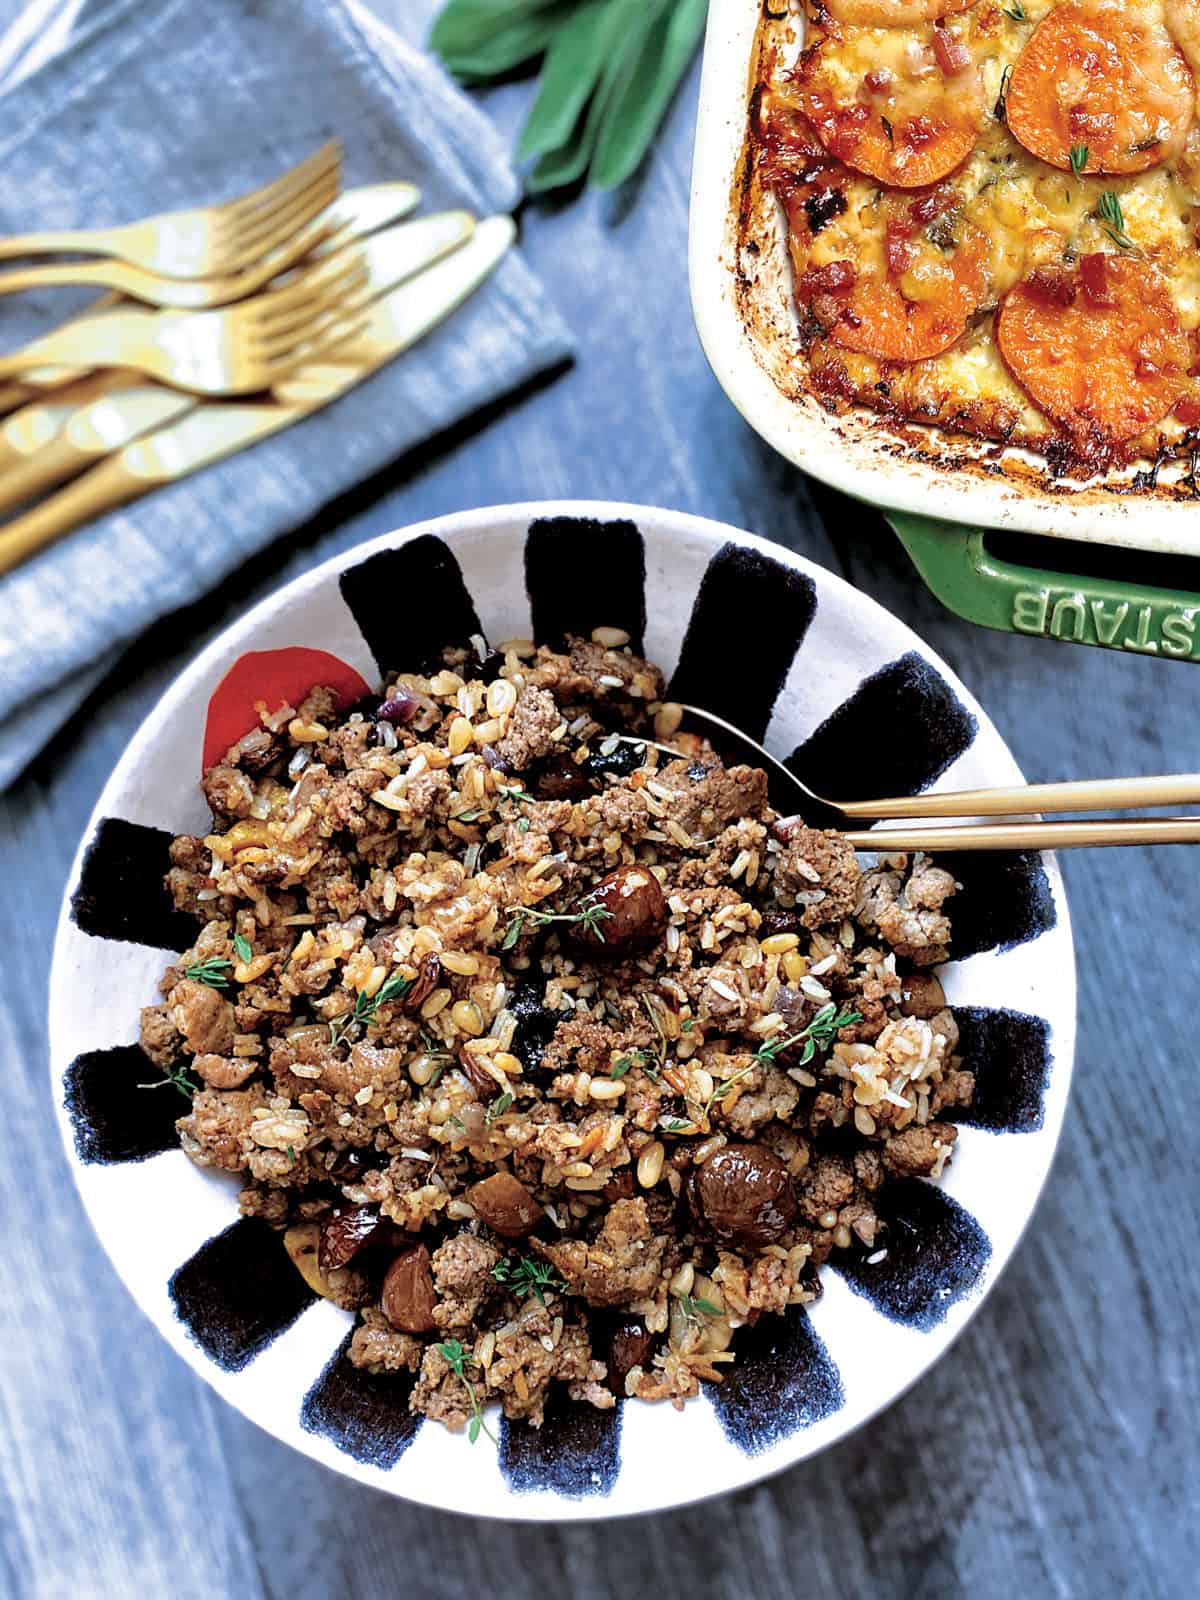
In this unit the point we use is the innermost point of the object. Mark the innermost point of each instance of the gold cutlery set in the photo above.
(224, 326)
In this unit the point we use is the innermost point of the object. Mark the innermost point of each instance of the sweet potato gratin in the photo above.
(992, 216)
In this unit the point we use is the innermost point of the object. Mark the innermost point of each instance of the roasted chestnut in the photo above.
(743, 1195)
(922, 995)
(344, 1232)
(506, 1205)
(629, 1346)
(408, 1293)
(625, 910)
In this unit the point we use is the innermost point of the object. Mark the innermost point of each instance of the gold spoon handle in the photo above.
(1032, 835)
(1092, 794)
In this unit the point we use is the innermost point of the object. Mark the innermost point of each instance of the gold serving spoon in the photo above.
(1092, 794)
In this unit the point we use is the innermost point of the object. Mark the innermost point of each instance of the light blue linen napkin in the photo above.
(111, 109)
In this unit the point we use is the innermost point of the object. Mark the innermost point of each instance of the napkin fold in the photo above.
(113, 109)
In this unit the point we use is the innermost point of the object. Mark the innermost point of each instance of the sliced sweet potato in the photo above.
(1101, 87)
(1101, 352)
(907, 124)
(906, 303)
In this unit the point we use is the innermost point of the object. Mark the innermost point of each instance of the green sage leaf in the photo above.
(621, 33)
(635, 112)
(482, 39)
(574, 63)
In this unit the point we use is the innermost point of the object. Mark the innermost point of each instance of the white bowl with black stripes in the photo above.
(778, 646)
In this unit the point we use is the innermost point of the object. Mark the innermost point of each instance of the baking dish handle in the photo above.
(968, 578)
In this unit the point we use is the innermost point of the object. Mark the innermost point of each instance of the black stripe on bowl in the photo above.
(410, 604)
(1004, 900)
(121, 892)
(1009, 1053)
(898, 732)
(934, 1254)
(113, 1117)
(783, 1380)
(239, 1292)
(612, 595)
(364, 1413)
(575, 1452)
(748, 621)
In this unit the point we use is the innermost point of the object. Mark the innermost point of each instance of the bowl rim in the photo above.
(237, 636)
(850, 452)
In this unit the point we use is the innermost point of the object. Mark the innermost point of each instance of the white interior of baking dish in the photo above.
(746, 320)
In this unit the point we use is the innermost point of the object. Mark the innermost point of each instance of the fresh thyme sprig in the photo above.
(178, 1079)
(1078, 157)
(610, 69)
(589, 919)
(1016, 11)
(818, 1035)
(722, 1089)
(394, 988)
(456, 1357)
(528, 1275)
(212, 972)
(1112, 219)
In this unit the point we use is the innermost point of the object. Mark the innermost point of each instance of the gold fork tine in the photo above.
(282, 222)
(321, 160)
(204, 241)
(283, 307)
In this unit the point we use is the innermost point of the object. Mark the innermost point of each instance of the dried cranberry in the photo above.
(401, 707)
(429, 973)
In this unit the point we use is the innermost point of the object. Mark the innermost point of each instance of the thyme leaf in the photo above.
(456, 1357)
(212, 972)
(245, 950)
(497, 1108)
(589, 919)
(695, 1307)
(818, 1035)
(528, 1275)
(178, 1079)
(1078, 157)
(631, 1058)
(1112, 219)
(364, 1009)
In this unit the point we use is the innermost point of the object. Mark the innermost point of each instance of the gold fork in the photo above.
(210, 240)
(235, 350)
(1028, 833)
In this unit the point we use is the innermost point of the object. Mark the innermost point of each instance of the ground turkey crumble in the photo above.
(556, 1060)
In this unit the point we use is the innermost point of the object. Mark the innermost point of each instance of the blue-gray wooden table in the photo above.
(1053, 1452)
